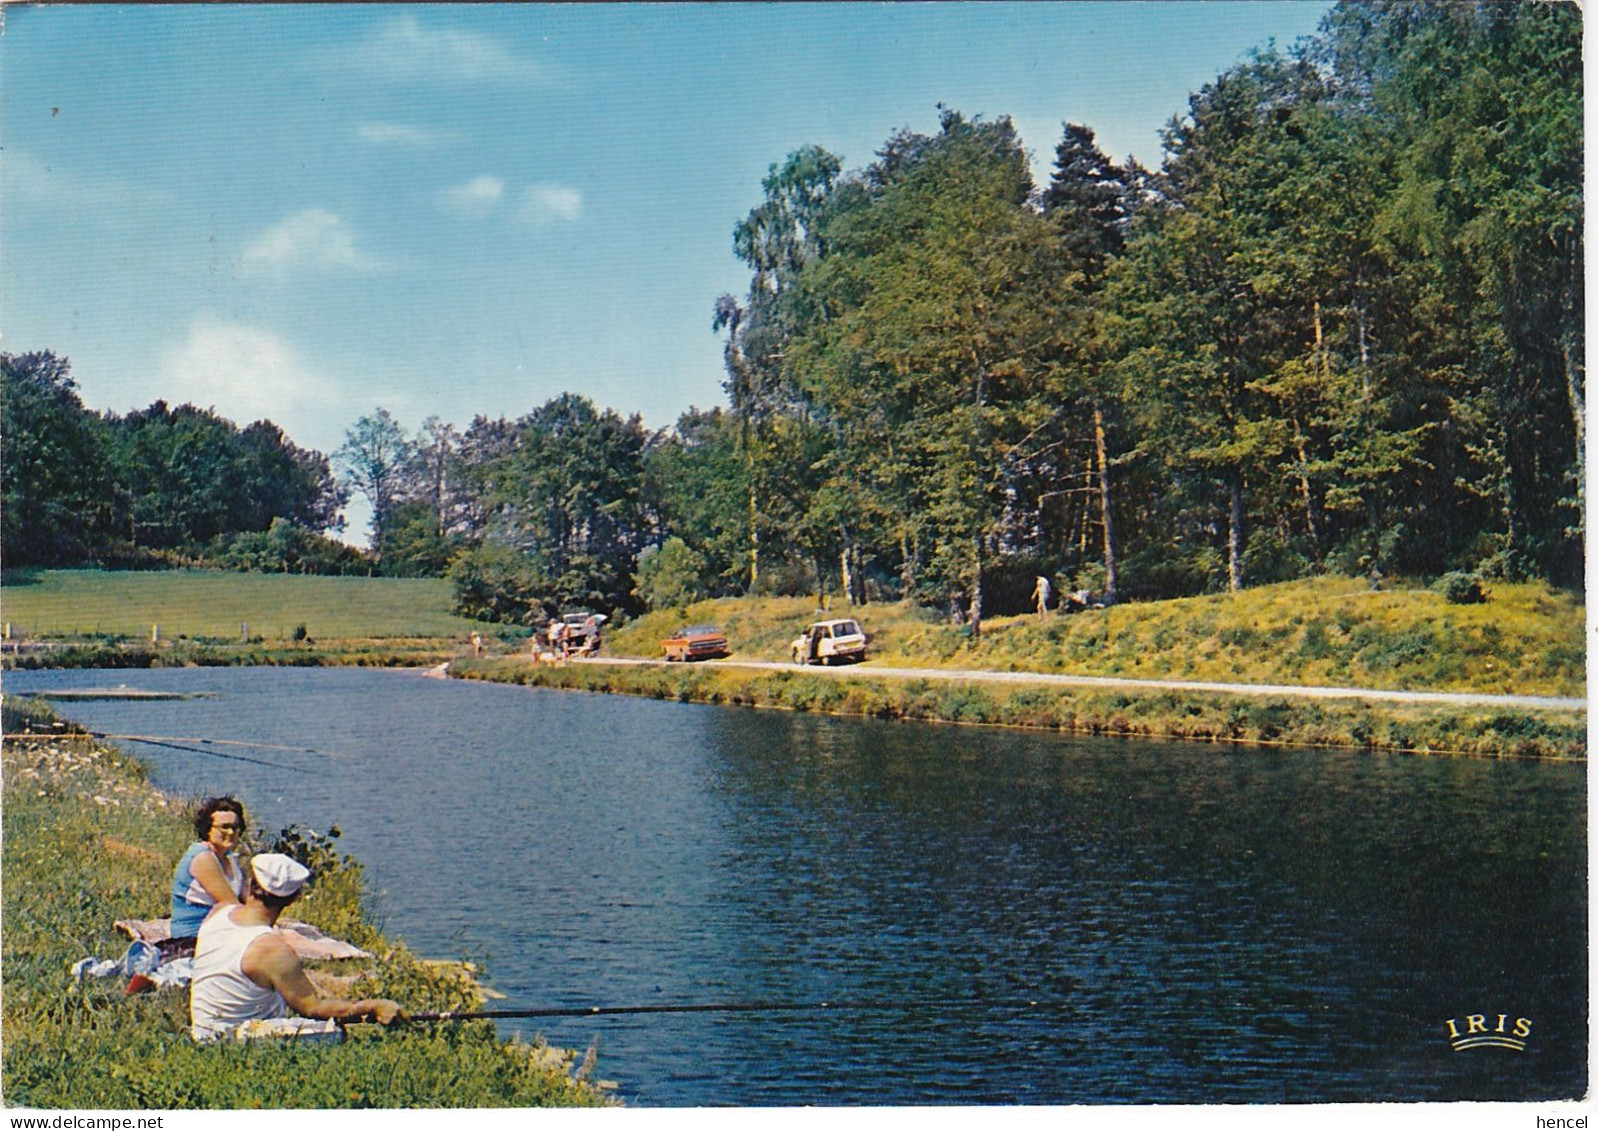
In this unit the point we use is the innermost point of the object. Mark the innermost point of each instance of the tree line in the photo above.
(159, 486)
(1339, 329)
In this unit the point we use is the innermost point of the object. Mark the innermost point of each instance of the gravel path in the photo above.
(1450, 698)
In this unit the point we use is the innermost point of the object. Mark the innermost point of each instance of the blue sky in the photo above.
(303, 213)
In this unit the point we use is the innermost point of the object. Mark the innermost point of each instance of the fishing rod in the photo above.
(160, 740)
(205, 741)
(195, 750)
(735, 1007)
(173, 744)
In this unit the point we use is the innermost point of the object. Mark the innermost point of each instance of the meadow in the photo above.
(216, 606)
(87, 841)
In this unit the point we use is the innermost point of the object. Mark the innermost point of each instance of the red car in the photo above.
(696, 642)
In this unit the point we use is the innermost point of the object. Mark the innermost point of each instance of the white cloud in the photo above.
(474, 199)
(245, 374)
(395, 133)
(405, 51)
(546, 203)
(313, 238)
(25, 178)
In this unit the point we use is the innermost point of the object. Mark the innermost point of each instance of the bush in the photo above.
(498, 583)
(1461, 589)
(289, 548)
(669, 575)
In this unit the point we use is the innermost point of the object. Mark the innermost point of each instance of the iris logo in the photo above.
(1481, 1030)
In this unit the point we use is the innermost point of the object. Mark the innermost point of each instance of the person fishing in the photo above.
(208, 874)
(244, 971)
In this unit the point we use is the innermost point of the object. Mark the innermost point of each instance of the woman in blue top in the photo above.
(209, 872)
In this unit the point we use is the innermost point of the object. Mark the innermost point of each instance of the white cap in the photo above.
(279, 875)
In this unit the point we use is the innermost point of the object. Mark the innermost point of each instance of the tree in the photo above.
(1089, 202)
(54, 464)
(569, 497)
(696, 486)
(285, 481)
(776, 240)
(186, 477)
(372, 461)
(929, 338)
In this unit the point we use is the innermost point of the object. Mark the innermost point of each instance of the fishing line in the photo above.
(902, 1004)
(197, 750)
(206, 741)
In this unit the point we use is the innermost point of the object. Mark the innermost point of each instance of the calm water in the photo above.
(1209, 925)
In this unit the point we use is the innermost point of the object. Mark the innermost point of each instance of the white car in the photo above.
(827, 641)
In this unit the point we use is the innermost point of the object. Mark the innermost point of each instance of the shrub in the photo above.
(1460, 588)
(669, 575)
(289, 548)
(497, 583)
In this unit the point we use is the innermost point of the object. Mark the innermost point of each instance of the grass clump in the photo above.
(88, 841)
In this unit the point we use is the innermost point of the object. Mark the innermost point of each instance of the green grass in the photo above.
(209, 605)
(1527, 639)
(88, 841)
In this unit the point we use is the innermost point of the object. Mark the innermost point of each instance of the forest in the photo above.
(1338, 330)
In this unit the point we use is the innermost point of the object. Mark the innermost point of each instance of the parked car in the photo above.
(827, 641)
(576, 632)
(696, 642)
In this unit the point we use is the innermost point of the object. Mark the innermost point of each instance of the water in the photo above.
(1205, 925)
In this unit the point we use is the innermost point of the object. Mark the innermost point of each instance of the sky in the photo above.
(304, 213)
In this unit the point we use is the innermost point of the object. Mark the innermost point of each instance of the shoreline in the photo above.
(1263, 719)
(1445, 723)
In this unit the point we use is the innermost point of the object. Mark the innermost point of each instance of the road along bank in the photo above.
(1392, 721)
(87, 841)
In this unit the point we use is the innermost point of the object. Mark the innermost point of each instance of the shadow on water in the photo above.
(1204, 924)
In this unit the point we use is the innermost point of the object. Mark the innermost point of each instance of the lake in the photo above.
(1199, 924)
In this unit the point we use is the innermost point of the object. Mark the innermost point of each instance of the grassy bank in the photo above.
(116, 653)
(87, 841)
(1526, 639)
(1145, 714)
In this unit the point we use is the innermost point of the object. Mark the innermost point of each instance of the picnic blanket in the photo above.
(307, 941)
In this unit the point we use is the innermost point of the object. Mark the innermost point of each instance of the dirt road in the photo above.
(872, 670)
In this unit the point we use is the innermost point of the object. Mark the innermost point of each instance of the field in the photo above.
(206, 605)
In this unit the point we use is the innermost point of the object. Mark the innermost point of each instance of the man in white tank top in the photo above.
(245, 971)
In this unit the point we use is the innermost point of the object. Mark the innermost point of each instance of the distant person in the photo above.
(245, 971)
(209, 872)
(1041, 593)
(477, 643)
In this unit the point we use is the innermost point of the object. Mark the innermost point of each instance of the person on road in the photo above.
(1040, 594)
(244, 971)
(209, 872)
